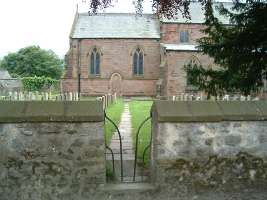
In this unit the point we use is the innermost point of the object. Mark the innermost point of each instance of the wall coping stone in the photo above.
(51, 111)
(209, 111)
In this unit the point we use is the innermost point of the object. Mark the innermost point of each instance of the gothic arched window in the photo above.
(193, 61)
(138, 62)
(95, 62)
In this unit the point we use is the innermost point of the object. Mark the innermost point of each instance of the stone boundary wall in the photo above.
(51, 150)
(210, 150)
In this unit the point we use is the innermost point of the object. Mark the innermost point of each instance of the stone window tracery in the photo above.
(95, 62)
(138, 62)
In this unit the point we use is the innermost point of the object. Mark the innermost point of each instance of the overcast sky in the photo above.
(46, 23)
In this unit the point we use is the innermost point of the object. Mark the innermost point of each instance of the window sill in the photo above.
(94, 76)
(138, 76)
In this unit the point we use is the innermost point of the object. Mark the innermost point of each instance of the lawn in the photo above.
(140, 110)
(114, 112)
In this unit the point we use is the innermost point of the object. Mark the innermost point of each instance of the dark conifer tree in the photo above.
(239, 49)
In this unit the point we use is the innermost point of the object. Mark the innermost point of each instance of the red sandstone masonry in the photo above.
(175, 73)
(116, 58)
(171, 32)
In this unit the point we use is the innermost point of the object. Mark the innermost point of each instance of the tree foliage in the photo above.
(33, 61)
(239, 50)
(37, 83)
(166, 8)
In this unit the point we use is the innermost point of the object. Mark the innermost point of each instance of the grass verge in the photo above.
(114, 112)
(140, 110)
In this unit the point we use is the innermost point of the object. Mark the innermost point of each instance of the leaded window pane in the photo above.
(141, 64)
(135, 63)
(92, 65)
(97, 64)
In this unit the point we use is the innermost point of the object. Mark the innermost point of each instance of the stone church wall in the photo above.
(175, 75)
(116, 57)
(170, 32)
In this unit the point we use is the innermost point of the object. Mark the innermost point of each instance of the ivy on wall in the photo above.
(37, 83)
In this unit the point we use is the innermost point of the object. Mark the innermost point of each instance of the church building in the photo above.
(134, 55)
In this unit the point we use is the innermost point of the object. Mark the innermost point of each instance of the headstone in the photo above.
(21, 96)
(242, 98)
(46, 96)
(212, 98)
(191, 97)
(104, 102)
(15, 96)
(186, 97)
(182, 96)
(70, 96)
(10, 94)
(29, 96)
(235, 98)
(115, 97)
(256, 99)
(226, 97)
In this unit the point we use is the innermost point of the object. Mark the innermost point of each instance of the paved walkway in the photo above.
(125, 128)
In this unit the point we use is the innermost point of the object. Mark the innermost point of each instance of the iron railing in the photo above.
(112, 157)
(118, 131)
(136, 145)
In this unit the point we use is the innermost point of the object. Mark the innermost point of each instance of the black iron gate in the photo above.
(107, 147)
(136, 146)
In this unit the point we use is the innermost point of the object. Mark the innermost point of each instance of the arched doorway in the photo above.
(116, 84)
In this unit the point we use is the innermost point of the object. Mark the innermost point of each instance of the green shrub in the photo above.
(37, 83)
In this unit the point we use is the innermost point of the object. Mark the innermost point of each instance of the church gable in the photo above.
(115, 25)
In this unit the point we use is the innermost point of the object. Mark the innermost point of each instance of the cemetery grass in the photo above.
(114, 112)
(140, 110)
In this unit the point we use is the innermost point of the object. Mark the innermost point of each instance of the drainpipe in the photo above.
(79, 68)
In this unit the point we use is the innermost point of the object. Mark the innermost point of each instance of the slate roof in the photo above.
(130, 25)
(197, 14)
(180, 47)
(6, 81)
(116, 25)
(4, 74)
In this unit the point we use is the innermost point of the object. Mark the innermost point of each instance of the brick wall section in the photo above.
(170, 32)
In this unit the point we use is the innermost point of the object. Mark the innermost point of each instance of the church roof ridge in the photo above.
(116, 13)
(116, 25)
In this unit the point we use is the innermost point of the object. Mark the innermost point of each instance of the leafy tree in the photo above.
(239, 50)
(33, 61)
(167, 8)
